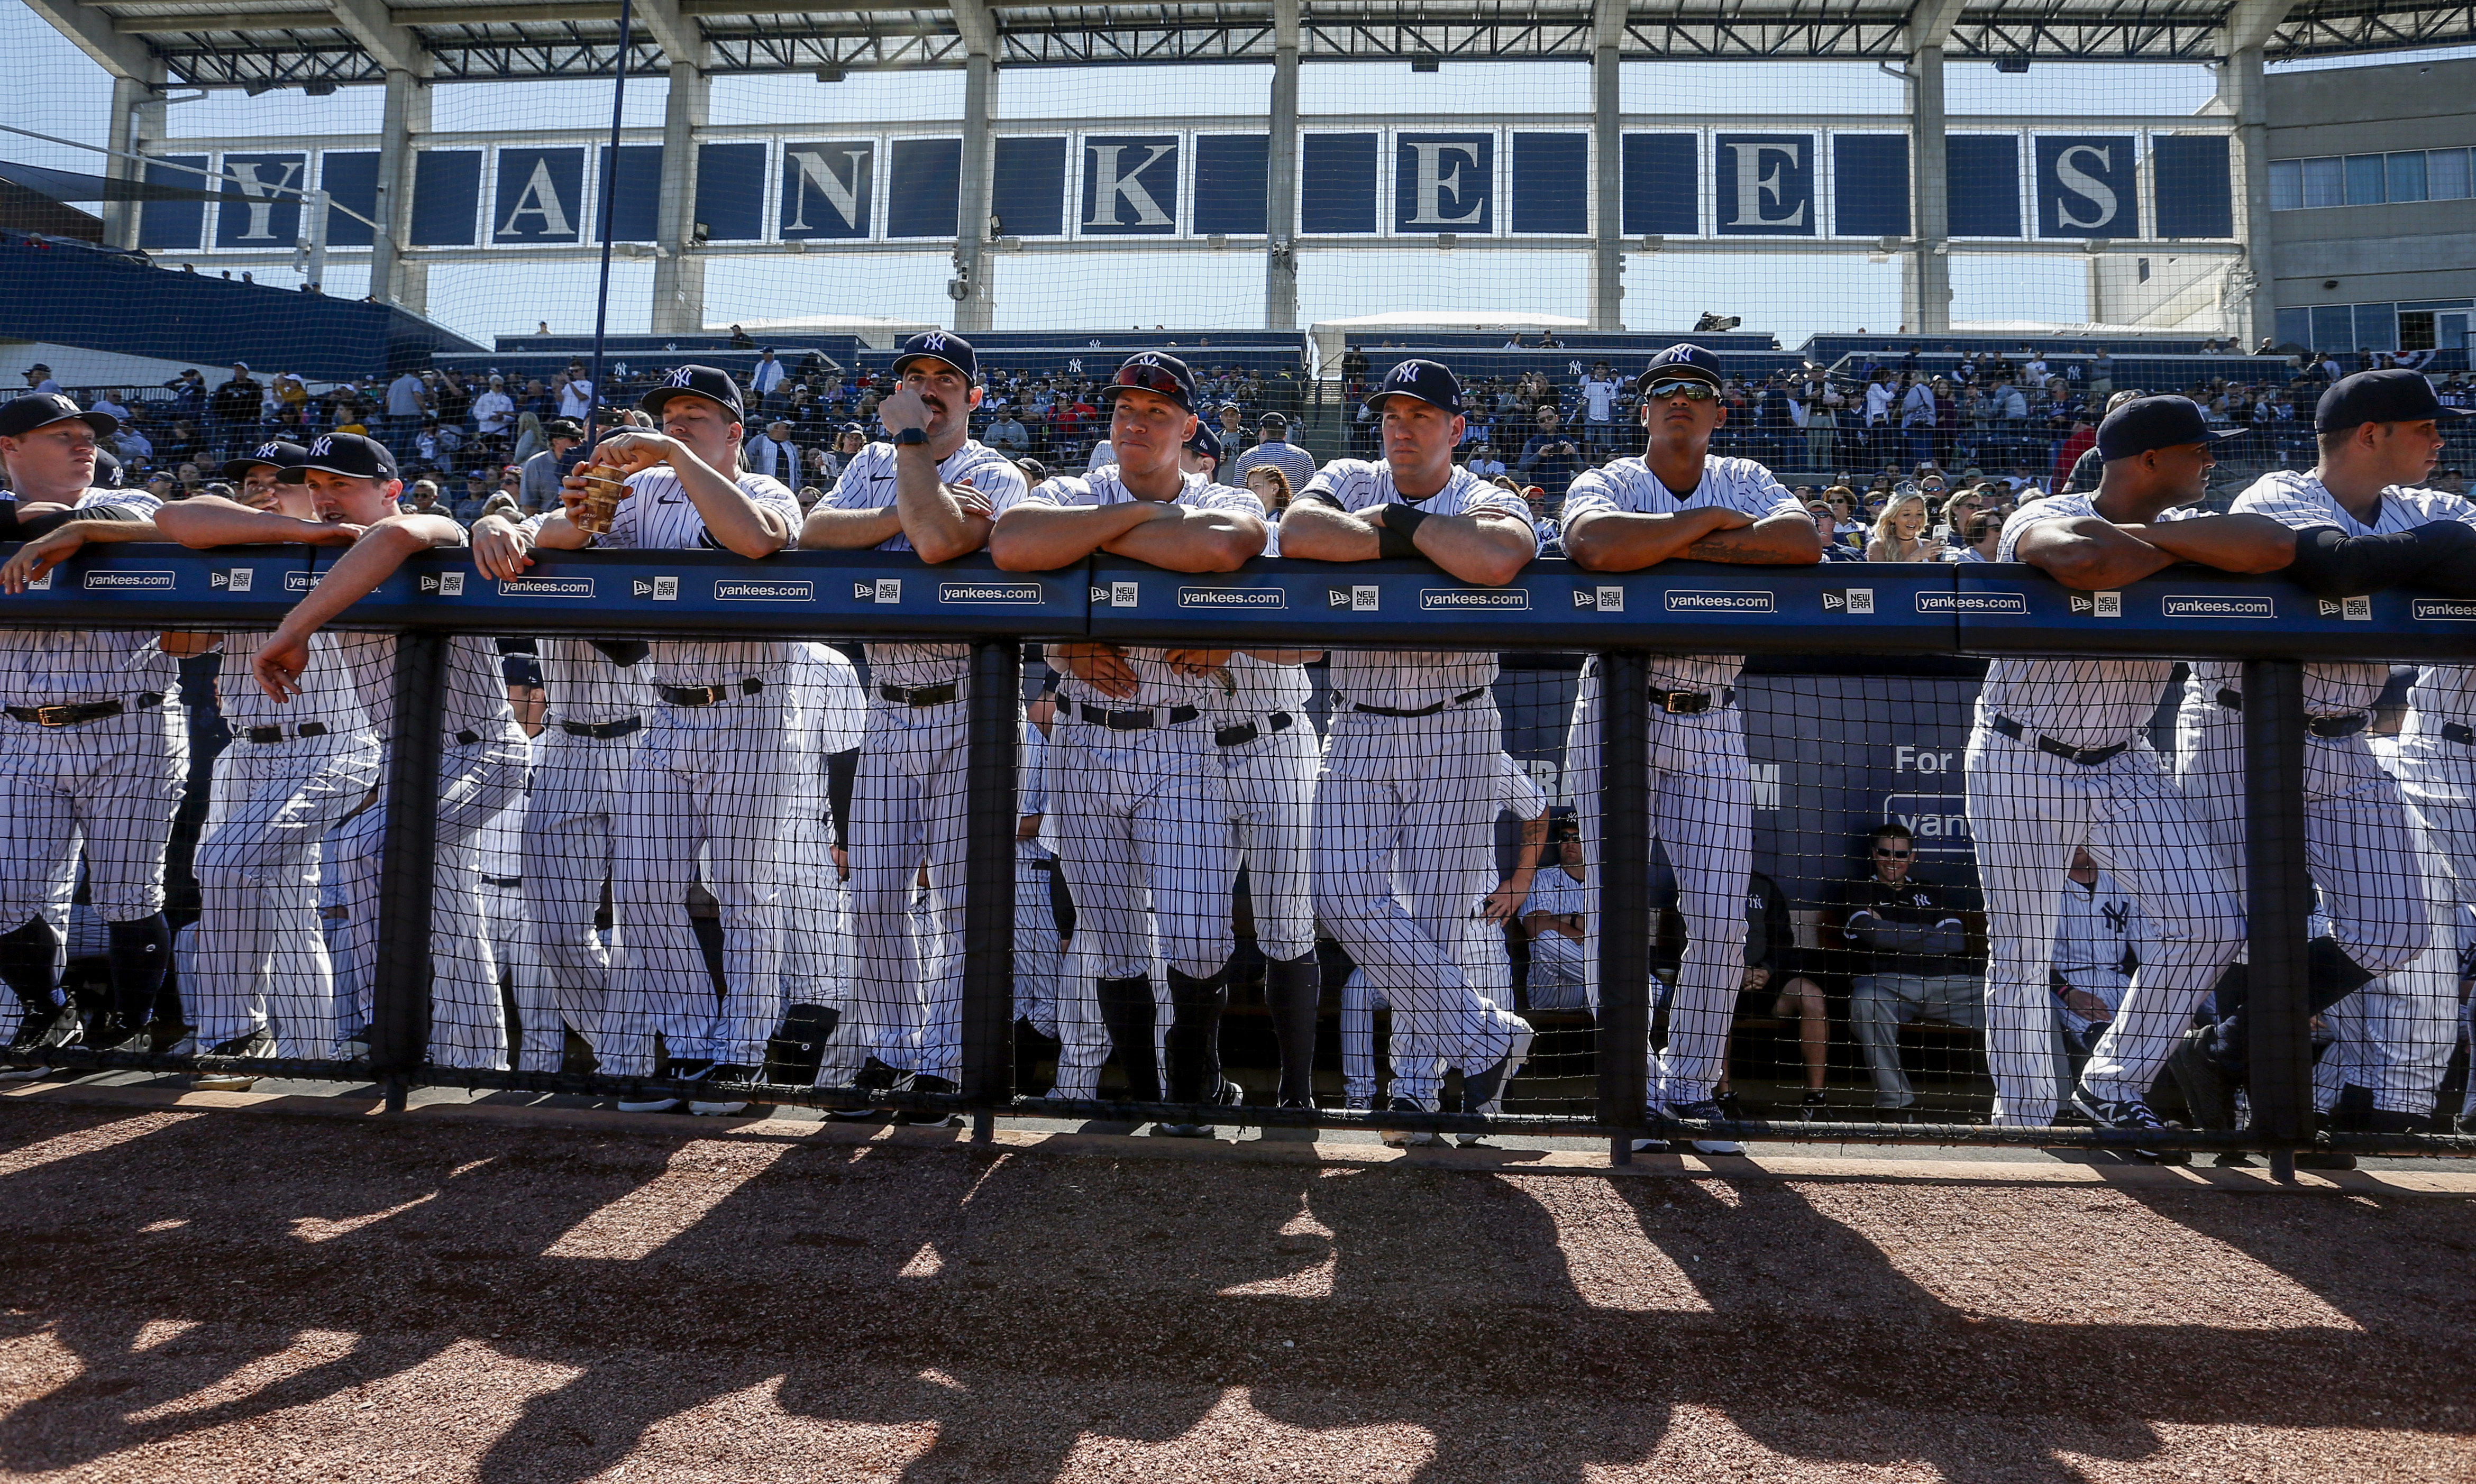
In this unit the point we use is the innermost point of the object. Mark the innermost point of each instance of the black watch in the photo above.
(911, 438)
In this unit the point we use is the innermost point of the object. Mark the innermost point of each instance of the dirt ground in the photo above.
(194, 1291)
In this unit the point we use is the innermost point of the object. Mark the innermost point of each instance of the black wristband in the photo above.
(1391, 544)
(2438, 556)
(1406, 520)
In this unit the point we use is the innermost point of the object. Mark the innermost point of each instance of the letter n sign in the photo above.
(1765, 184)
(2088, 185)
(825, 189)
(1443, 182)
(1129, 186)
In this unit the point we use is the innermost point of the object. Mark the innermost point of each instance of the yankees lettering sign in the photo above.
(1847, 181)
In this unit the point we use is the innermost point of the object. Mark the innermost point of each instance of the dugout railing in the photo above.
(1834, 616)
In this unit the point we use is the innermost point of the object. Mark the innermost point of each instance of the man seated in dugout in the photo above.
(1905, 947)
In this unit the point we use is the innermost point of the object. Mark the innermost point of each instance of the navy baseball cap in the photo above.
(1206, 442)
(108, 473)
(348, 453)
(2147, 423)
(714, 384)
(940, 345)
(282, 455)
(2396, 396)
(1153, 372)
(1425, 380)
(1680, 364)
(24, 414)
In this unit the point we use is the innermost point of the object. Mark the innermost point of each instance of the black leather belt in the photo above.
(1138, 721)
(1425, 710)
(86, 711)
(1691, 702)
(602, 730)
(2084, 757)
(922, 695)
(1248, 732)
(2462, 734)
(276, 733)
(2346, 726)
(468, 738)
(708, 695)
(510, 881)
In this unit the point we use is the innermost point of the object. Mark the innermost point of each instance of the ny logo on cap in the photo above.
(270, 449)
(934, 340)
(325, 445)
(1147, 358)
(679, 377)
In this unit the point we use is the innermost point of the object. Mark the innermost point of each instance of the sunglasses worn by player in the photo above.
(1691, 392)
(1153, 379)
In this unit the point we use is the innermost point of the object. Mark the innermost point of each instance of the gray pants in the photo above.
(1879, 1004)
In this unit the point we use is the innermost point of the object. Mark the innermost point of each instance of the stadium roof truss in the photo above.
(277, 44)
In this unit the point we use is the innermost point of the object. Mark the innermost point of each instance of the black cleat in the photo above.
(926, 1083)
(722, 1104)
(46, 1027)
(2128, 1113)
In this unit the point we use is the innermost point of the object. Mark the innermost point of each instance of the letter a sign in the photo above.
(540, 196)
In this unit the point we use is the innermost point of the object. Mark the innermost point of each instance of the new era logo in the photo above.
(1848, 599)
(2096, 604)
(237, 580)
(446, 585)
(2358, 610)
(1599, 600)
(1359, 599)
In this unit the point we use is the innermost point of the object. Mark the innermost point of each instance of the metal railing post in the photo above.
(1625, 896)
(992, 740)
(408, 850)
(2280, 891)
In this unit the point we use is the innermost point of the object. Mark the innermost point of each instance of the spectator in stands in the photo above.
(1483, 463)
(1552, 458)
(109, 404)
(478, 495)
(1543, 522)
(1918, 419)
(1900, 532)
(40, 382)
(134, 448)
(231, 414)
(576, 397)
(774, 455)
(1835, 543)
(768, 375)
(162, 486)
(494, 411)
(1904, 950)
(543, 471)
(407, 398)
(2082, 440)
(1233, 425)
(827, 463)
(529, 438)
(192, 479)
(1272, 446)
(1601, 392)
(1555, 917)
(1983, 535)
(189, 394)
(451, 401)
(436, 445)
(422, 499)
(511, 484)
(1268, 484)
(1007, 435)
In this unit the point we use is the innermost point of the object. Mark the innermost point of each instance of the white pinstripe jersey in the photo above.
(584, 685)
(2086, 703)
(328, 695)
(1161, 686)
(1628, 485)
(657, 515)
(2297, 499)
(1409, 680)
(828, 709)
(868, 484)
(1257, 689)
(72, 666)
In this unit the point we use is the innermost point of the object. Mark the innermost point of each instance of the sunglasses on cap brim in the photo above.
(1689, 390)
(1160, 380)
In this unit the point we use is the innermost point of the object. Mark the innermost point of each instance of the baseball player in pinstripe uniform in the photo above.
(259, 954)
(715, 772)
(1678, 499)
(827, 718)
(1145, 820)
(354, 486)
(2361, 525)
(2060, 761)
(1404, 803)
(934, 491)
(92, 745)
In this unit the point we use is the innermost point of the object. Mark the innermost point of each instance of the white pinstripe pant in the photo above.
(113, 785)
(566, 849)
(1272, 814)
(907, 811)
(256, 952)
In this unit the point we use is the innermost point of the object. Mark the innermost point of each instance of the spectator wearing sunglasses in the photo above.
(1904, 948)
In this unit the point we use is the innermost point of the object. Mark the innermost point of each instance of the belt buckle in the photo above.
(54, 715)
(1684, 703)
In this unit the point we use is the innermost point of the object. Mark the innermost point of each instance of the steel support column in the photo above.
(678, 273)
(1281, 176)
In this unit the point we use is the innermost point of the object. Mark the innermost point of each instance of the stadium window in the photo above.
(2295, 328)
(2325, 181)
(2415, 330)
(2366, 178)
(2406, 174)
(2377, 327)
(2286, 184)
(2446, 175)
(2334, 328)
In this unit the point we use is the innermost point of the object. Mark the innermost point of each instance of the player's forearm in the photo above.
(940, 528)
(1626, 541)
(1192, 541)
(849, 530)
(357, 574)
(736, 523)
(207, 521)
(1489, 550)
(1778, 541)
(1322, 533)
(2230, 543)
(1044, 537)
